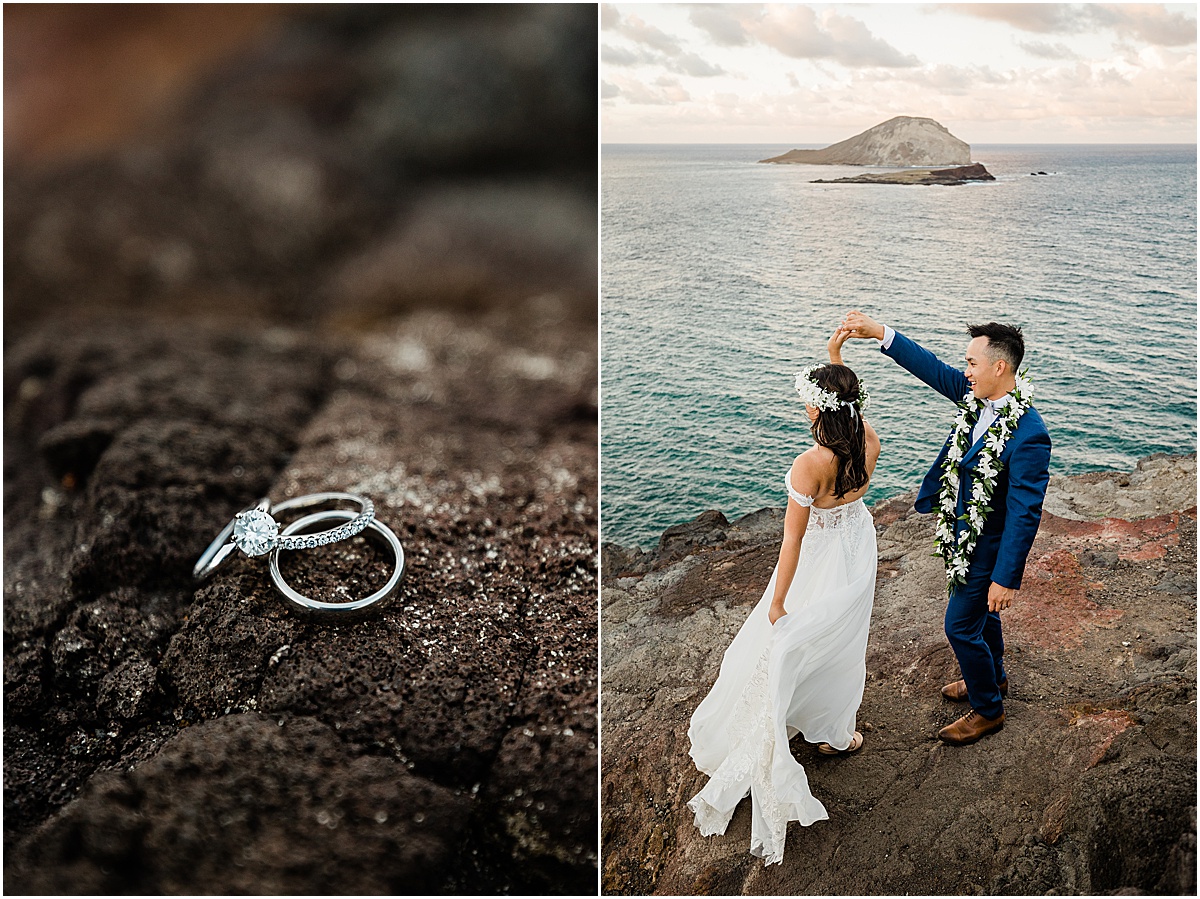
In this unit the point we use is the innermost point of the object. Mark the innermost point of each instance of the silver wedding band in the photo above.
(380, 532)
(255, 532)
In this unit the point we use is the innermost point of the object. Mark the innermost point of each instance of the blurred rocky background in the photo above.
(270, 250)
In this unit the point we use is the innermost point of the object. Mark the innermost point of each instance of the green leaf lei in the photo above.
(957, 554)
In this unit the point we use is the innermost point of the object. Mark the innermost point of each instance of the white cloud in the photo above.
(639, 31)
(720, 23)
(1041, 18)
(798, 32)
(672, 90)
(1149, 23)
(664, 91)
(691, 64)
(854, 45)
(654, 47)
(1044, 50)
(620, 56)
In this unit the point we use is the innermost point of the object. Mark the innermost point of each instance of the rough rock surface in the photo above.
(360, 256)
(959, 175)
(1090, 787)
(903, 140)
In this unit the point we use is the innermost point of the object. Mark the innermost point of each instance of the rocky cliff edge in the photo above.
(1089, 788)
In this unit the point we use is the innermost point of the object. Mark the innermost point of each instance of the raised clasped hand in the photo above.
(839, 337)
(861, 326)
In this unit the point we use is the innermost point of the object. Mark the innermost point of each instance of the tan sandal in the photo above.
(855, 745)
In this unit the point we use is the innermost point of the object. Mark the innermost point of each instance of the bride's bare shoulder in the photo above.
(816, 458)
(811, 467)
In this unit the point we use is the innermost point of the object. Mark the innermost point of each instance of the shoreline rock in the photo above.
(1089, 788)
(948, 177)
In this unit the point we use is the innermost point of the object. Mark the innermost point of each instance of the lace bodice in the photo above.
(845, 520)
(828, 517)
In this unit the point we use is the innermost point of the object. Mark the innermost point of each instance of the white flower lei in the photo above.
(813, 395)
(957, 555)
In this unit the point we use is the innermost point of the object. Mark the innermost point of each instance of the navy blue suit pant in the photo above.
(975, 637)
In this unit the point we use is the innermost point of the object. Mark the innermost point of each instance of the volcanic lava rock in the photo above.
(959, 175)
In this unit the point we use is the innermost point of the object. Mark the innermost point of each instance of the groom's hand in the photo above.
(860, 325)
(1000, 597)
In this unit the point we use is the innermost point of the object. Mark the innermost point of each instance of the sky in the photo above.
(814, 74)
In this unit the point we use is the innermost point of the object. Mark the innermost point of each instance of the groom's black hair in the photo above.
(1004, 341)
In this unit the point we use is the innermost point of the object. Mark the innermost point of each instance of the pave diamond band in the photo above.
(355, 525)
(255, 531)
(375, 530)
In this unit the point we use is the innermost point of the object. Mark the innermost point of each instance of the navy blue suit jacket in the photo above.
(1020, 488)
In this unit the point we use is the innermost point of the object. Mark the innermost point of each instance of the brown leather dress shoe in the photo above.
(969, 728)
(957, 691)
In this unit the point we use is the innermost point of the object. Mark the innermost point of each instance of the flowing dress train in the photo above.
(804, 674)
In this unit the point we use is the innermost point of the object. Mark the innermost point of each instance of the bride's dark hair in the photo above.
(842, 430)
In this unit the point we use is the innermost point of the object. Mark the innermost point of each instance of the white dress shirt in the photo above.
(988, 415)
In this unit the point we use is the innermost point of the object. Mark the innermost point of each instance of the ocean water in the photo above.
(721, 277)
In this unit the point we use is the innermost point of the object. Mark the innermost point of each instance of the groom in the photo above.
(990, 575)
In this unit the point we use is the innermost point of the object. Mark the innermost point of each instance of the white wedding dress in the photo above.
(803, 674)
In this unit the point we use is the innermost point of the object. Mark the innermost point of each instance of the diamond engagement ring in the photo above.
(375, 530)
(255, 532)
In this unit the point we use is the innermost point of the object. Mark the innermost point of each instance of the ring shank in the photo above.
(216, 552)
(380, 532)
(315, 499)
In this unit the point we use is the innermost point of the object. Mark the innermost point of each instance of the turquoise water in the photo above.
(721, 278)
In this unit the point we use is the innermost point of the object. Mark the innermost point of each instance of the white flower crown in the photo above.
(813, 395)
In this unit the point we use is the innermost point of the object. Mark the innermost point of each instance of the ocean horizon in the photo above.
(785, 147)
(722, 277)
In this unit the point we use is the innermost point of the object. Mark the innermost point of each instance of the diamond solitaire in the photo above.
(254, 532)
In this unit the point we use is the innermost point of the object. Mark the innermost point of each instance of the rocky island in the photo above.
(900, 141)
(958, 175)
(1089, 788)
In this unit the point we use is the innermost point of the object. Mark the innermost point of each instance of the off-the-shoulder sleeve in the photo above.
(795, 494)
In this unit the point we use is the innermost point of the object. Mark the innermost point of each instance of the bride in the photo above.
(798, 664)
